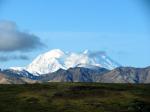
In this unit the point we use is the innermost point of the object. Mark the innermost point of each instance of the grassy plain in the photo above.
(75, 97)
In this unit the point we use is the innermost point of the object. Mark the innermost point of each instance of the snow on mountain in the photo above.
(92, 67)
(17, 68)
(55, 59)
(47, 62)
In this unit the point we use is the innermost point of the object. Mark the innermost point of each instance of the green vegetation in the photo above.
(75, 97)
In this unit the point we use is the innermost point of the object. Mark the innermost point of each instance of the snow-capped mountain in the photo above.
(56, 59)
(87, 66)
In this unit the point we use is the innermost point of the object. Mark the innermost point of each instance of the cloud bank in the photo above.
(12, 39)
(18, 57)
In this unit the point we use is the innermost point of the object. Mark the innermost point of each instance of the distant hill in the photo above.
(79, 74)
(10, 76)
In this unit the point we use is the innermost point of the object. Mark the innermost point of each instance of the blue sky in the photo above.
(118, 27)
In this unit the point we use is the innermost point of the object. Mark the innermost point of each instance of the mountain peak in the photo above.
(86, 51)
(55, 53)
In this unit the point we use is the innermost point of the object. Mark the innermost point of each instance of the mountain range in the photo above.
(59, 66)
(56, 59)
